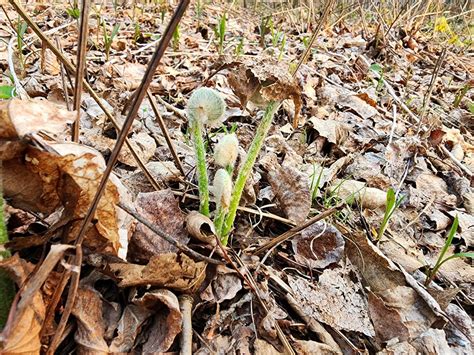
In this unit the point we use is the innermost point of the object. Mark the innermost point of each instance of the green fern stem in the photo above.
(247, 166)
(201, 166)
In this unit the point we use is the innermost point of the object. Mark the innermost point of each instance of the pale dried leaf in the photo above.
(336, 300)
(352, 190)
(355, 103)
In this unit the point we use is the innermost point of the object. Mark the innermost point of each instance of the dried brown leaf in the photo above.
(290, 187)
(162, 210)
(318, 245)
(165, 270)
(88, 310)
(263, 81)
(24, 333)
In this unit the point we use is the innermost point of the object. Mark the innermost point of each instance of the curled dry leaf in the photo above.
(318, 245)
(169, 270)
(290, 187)
(89, 310)
(19, 118)
(263, 81)
(166, 324)
(201, 227)
(352, 190)
(162, 210)
(129, 327)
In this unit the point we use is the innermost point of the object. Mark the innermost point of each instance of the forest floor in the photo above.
(363, 187)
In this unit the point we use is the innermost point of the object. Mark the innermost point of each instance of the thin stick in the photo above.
(394, 123)
(165, 132)
(287, 235)
(63, 78)
(186, 341)
(170, 107)
(434, 76)
(457, 162)
(81, 63)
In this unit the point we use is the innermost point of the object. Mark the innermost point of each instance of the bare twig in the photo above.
(293, 231)
(164, 130)
(81, 63)
(63, 78)
(434, 76)
(177, 111)
(460, 165)
(186, 341)
(321, 22)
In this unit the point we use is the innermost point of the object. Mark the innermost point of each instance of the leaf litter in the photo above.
(367, 112)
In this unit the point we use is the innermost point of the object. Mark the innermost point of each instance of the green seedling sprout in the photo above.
(219, 31)
(240, 47)
(315, 184)
(137, 32)
(74, 11)
(109, 38)
(266, 23)
(204, 106)
(175, 40)
(441, 259)
(393, 202)
(20, 33)
(282, 48)
(200, 10)
(7, 92)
